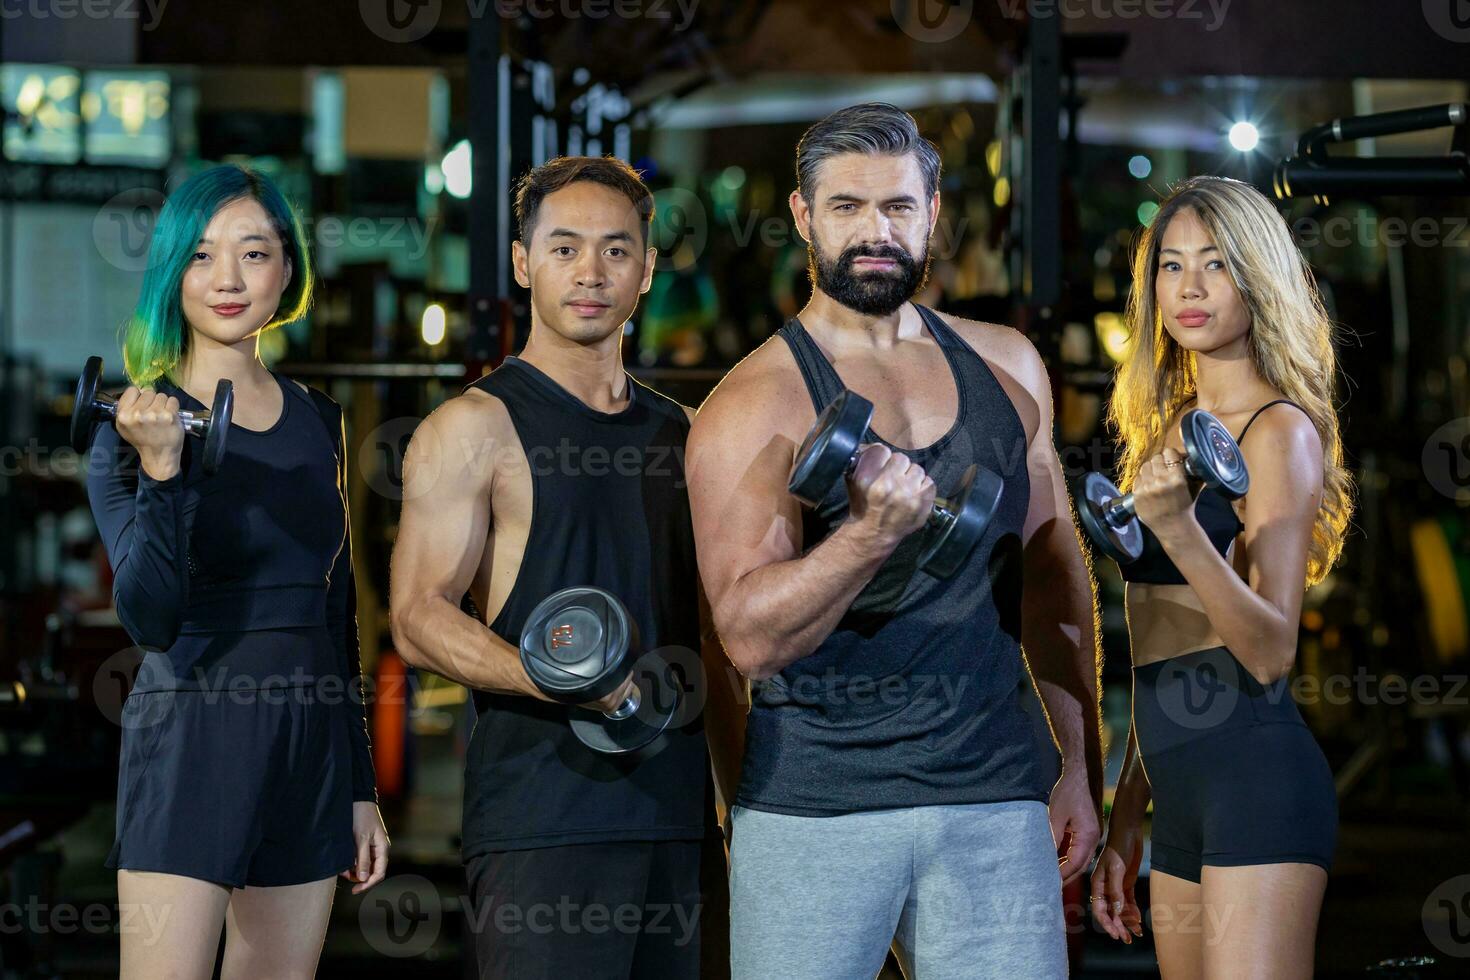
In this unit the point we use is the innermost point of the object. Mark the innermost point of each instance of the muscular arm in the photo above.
(1257, 617)
(771, 604)
(442, 535)
(726, 702)
(1059, 598)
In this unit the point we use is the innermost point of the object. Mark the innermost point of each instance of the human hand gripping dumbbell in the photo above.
(579, 647)
(151, 421)
(1211, 459)
(831, 452)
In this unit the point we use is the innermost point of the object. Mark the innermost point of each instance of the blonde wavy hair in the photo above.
(1290, 342)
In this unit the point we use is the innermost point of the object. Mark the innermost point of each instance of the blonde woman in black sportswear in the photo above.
(1226, 318)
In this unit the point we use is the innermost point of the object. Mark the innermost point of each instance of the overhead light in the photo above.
(432, 325)
(1244, 137)
(458, 176)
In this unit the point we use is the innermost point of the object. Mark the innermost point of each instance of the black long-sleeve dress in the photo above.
(245, 739)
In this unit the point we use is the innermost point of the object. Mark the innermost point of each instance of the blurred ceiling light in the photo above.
(458, 174)
(432, 325)
(1112, 335)
(1244, 137)
(992, 157)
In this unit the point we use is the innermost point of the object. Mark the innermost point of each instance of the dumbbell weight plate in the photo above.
(220, 415)
(658, 704)
(1122, 543)
(575, 646)
(1221, 463)
(949, 543)
(829, 446)
(81, 409)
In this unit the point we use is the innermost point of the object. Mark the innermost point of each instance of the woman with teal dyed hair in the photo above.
(246, 781)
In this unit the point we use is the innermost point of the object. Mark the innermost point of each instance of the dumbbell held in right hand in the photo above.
(830, 452)
(1211, 458)
(91, 406)
(579, 646)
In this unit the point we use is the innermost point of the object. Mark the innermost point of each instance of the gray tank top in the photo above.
(919, 696)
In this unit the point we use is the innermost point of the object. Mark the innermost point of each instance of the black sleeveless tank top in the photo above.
(918, 697)
(611, 510)
(1216, 515)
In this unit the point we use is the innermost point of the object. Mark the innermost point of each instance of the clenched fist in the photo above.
(1161, 493)
(149, 420)
(889, 495)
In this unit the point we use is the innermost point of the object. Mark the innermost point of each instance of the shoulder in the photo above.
(326, 407)
(1282, 429)
(1004, 346)
(461, 444)
(761, 398)
(324, 402)
(766, 383)
(474, 411)
(1283, 455)
(1017, 367)
(306, 389)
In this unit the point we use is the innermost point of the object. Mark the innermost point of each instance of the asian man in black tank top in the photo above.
(579, 863)
(895, 789)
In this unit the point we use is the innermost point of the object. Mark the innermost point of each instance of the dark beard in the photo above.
(876, 293)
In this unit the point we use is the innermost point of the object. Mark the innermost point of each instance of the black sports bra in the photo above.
(1214, 513)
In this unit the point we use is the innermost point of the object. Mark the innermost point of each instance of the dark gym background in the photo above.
(397, 127)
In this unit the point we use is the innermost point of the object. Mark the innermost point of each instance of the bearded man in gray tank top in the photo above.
(896, 788)
(558, 470)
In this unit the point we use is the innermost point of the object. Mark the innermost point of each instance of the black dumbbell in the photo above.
(829, 453)
(1211, 459)
(91, 406)
(579, 645)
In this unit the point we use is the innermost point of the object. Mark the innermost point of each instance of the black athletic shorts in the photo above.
(635, 909)
(238, 788)
(1236, 777)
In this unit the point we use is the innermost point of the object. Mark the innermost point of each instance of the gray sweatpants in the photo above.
(967, 891)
